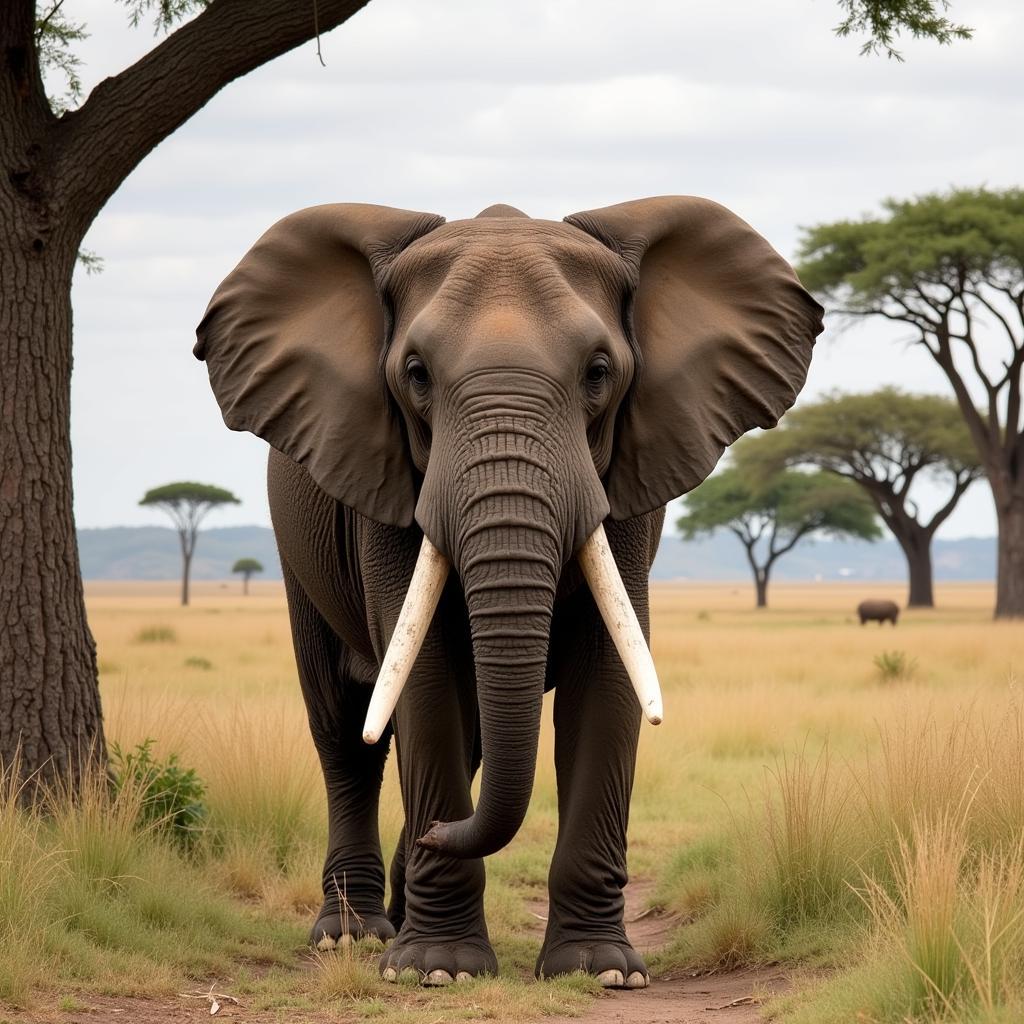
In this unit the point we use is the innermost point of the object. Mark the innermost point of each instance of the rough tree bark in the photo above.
(1010, 560)
(55, 176)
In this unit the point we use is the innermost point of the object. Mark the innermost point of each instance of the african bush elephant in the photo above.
(878, 611)
(497, 395)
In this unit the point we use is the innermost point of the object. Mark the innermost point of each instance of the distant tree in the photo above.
(884, 20)
(884, 441)
(951, 267)
(187, 504)
(772, 515)
(247, 566)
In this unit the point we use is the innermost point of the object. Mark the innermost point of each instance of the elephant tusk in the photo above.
(602, 575)
(413, 621)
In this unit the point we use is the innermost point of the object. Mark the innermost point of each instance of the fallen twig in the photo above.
(215, 999)
(742, 1001)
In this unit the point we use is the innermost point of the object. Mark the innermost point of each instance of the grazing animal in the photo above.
(514, 400)
(878, 611)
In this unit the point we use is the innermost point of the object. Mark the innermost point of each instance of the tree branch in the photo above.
(126, 116)
(1015, 343)
(943, 355)
(23, 100)
(964, 479)
(801, 531)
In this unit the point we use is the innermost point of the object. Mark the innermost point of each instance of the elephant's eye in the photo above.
(598, 372)
(417, 373)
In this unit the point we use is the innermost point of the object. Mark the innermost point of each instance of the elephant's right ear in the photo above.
(724, 332)
(293, 339)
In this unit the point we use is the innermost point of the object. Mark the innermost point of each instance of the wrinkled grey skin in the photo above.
(489, 394)
(878, 611)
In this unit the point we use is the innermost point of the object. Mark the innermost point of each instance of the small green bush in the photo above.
(895, 666)
(172, 796)
(196, 662)
(156, 635)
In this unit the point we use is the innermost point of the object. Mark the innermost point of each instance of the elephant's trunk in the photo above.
(514, 512)
(509, 601)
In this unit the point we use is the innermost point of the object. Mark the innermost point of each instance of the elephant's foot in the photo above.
(434, 962)
(614, 964)
(331, 925)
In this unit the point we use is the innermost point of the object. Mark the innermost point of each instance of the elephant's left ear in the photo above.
(293, 340)
(724, 331)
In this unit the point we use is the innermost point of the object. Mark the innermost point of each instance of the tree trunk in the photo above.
(186, 567)
(49, 699)
(245, 584)
(1010, 571)
(916, 543)
(761, 586)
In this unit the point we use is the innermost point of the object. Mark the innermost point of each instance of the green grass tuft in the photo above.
(156, 635)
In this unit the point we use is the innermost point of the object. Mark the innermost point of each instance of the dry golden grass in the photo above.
(745, 691)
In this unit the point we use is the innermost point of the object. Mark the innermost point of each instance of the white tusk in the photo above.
(602, 574)
(413, 621)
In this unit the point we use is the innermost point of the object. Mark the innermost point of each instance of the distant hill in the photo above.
(152, 553)
(721, 557)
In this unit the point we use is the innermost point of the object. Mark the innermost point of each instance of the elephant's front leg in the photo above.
(597, 723)
(443, 937)
(353, 876)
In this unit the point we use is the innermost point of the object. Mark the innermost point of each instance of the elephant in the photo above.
(475, 427)
(878, 611)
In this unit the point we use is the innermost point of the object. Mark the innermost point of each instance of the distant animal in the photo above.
(490, 396)
(878, 611)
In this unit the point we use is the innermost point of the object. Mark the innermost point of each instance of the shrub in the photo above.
(196, 662)
(156, 635)
(171, 796)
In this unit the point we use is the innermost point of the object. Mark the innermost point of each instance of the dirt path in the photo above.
(733, 997)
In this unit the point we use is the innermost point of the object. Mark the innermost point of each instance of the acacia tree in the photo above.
(951, 267)
(247, 566)
(58, 169)
(884, 441)
(187, 504)
(770, 515)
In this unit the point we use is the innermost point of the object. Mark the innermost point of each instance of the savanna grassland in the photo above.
(846, 801)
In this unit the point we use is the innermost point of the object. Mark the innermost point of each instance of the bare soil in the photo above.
(731, 997)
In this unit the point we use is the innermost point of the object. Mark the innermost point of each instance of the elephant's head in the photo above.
(507, 383)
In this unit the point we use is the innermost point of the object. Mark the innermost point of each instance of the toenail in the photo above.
(638, 980)
(390, 974)
(610, 979)
(438, 977)
(463, 976)
(326, 942)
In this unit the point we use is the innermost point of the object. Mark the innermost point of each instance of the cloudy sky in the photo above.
(551, 105)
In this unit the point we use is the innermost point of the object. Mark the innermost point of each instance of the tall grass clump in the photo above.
(94, 895)
(27, 873)
(265, 797)
(908, 863)
(806, 836)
